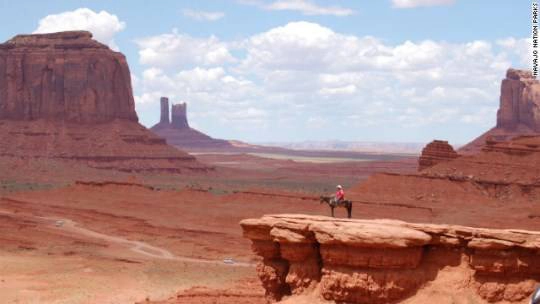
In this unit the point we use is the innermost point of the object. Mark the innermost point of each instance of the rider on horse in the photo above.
(340, 194)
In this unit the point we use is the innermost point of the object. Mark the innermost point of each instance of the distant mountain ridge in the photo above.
(353, 146)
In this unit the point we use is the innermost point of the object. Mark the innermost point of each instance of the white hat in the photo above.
(339, 187)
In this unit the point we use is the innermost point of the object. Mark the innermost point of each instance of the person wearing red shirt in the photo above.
(340, 194)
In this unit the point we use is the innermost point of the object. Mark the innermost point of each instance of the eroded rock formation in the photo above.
(179, 116)
(178, 132)
(67, 96)
(520, 101)
(519, 110)
(164, 101)
(436, 152)
(64, 76)
(386, 261)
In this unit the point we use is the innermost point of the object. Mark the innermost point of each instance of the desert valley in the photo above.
(97, 208)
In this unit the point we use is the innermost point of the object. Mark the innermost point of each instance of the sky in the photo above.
(297, 70)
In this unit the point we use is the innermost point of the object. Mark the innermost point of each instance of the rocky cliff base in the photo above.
(389, 261)
(118, 145)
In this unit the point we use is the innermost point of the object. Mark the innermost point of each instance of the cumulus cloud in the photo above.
(522, 48)
(180, 50)
(301, 74)
(418, 3)
(203, 15)
(306, 7)
(103, 25)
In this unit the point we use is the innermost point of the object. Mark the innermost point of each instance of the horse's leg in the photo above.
(332, 208)
(349, 210)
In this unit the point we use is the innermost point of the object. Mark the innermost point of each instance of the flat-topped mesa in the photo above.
(387, 261)
(179, 116)
(520, 101)
(68, 97)
(436, 152)
(64, 76)
(61, 40)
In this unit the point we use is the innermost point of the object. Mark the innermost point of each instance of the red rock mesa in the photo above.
(67, 96)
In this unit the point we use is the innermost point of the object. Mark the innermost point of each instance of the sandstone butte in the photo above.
(178, 133)
(67, 96)
(519, 111)
(390, 261)
(436, 152)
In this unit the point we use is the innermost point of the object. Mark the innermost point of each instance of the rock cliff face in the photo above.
(66, 96)
(519, 110)
(64, 76)
(179, 116)
(178, 132)
(436, 152)
(164, 101)
(520, 101)
(385, 261)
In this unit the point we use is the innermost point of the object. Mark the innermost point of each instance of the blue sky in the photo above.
(293, 70)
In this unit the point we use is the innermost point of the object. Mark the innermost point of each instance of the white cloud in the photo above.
(295, 76)
(306, 7)
(519, 47)
(203, 15)
(181, 50)
(103, 25)
(418, 3)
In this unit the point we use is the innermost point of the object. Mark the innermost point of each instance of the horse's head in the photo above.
(321, 199)
(324, 199)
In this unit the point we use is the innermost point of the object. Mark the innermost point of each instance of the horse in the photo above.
(331, 201)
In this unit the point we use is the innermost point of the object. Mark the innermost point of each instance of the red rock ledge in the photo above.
(382, 261)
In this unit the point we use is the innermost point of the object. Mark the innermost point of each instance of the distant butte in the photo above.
(436, 152)
(178, 133)
(67, 96)
(518, 114)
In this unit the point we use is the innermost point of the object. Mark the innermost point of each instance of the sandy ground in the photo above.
(121, 244)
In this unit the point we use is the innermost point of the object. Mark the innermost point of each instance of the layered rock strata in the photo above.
(387, 261)
(64, 76)
(436, 152)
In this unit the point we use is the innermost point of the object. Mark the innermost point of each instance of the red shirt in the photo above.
(340, 194)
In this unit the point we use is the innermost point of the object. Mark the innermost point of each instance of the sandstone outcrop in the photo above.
(178, 132)
(388, 261)
(436, 152)
(65, 76)
(520, 101)
(519, 110)
(67, 96)
(179, 116)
